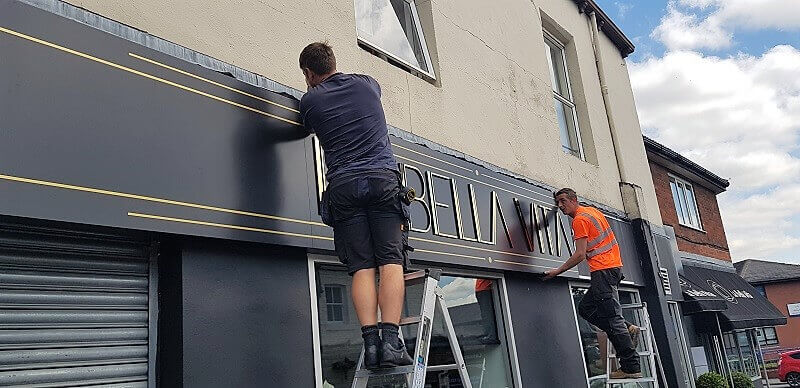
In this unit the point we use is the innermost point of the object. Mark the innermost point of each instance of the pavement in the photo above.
(775, 383)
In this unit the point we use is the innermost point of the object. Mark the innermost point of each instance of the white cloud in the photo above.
(740, 118)
(684, 28)
(680, 30)
(622, 8)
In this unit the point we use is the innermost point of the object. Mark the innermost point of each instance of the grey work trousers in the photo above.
(600, 307)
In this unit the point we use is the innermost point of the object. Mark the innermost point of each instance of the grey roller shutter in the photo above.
(74, 309)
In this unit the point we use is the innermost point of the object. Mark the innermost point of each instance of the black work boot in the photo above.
(372, 346)
(393, 350)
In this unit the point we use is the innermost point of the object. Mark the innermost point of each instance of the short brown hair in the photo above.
(318, 57)
(571, 194)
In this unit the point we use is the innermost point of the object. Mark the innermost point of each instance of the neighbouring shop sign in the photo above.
(794, 309)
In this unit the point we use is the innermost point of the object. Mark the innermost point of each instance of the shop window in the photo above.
(392, 28)
(562, 97)
(767, 336)
(740, 353)
(476, 312)
(334, 303)
(595, 342)
(685, 203)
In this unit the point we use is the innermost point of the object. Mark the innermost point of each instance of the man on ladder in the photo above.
(362, 200)
(595, 243)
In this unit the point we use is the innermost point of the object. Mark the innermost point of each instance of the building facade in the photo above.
(724, 316)
(780, 283)
(160, 222)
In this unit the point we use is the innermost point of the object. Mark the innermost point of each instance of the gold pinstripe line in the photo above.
(482, 249)
(449, 254)
(142, 74)
(432, 157)
(154, 199)
(527, 265)
(227, 226)
(154, 62)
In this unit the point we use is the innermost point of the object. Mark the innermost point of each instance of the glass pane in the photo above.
(392, 26)
(328, 295)
(732, 351)
(566, 124)
(595, 344)
(558, 73)
(475, 320)
(748, 356)
(330, 313)
(693, 213)
(680, 203)
(337, 294)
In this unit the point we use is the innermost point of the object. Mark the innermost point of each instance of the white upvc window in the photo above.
(685, 203)
(392, 28)
(562, 95)
(334, 302)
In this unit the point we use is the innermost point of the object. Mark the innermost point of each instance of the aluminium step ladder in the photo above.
(650, 350)
(432, 300)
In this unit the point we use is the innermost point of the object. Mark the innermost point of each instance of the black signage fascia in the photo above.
(96, 129)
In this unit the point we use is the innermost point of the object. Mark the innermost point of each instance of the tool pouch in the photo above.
(325, 211)
(405, 196)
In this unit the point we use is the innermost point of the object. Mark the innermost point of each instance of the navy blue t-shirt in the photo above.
(345, 113)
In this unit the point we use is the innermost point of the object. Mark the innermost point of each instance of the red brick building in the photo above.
(722, 332)
(687, 197)
(780, 283)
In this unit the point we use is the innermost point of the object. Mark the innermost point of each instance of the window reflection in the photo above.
(474, 308)
(393, 26)
(595, 343)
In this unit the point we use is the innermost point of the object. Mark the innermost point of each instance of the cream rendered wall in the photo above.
(492, 97)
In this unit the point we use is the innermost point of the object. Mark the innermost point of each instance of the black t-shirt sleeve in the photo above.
(372, 82)
(305, 109)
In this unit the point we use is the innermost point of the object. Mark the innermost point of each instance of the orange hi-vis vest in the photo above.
(602, 250)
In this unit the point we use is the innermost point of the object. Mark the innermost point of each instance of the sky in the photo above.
(719, 82)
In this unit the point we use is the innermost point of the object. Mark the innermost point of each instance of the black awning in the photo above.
(698, 300)
(739, 305)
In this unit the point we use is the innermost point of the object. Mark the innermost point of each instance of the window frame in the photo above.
(685, 202)
(424, 43)
(343, 289)
(569, 100)
(581, 284)
(501, 303)
(763, 340)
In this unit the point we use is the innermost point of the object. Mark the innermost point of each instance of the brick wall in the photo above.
(712, 241)
(781, 294)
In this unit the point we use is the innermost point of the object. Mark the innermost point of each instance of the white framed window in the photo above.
(479, 314)
(566, 114)
(392, 28)
(685, 203)
(767, 336)
(334, 302)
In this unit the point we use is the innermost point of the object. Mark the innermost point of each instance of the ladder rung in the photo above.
(400, 370)
(632, 306)
(648, 354)
(410, 320)
(436, 368)
(623, 381)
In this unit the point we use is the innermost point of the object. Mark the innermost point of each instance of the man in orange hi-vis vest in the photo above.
(595, 242)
